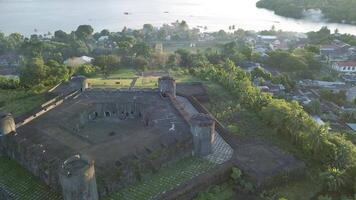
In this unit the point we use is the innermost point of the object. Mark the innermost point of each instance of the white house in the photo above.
(77, 61)
(267, 38)
(345, 66)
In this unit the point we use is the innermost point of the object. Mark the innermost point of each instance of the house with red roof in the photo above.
(335, 51)
(345, 66)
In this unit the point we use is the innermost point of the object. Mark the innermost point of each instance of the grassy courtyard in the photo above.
(125, 78)
(109, 83)
(21, 184)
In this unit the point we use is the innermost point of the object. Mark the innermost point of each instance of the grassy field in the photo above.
(124, 77)
(123, 74)
(19, 102)
(121, 78)
(21, 184)
(109, 83)
(303, 189)
(147, 82)
(166, 179)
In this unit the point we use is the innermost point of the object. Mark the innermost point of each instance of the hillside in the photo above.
(340, 11)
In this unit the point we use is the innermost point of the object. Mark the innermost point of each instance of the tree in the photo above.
(33, 73)
(14, 41)
(148, 30)
(56, 73)
(84, 31)
(87, 70)
(140, 63)
(106, 63)
(313, 107)
(105, 32)
(142, 49)
(61, 36)
(260, 72)
(334, 179)
(185, 57)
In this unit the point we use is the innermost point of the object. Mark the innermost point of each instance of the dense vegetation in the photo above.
(335, 11)
(332, 152)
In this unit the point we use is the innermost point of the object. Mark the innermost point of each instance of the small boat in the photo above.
(127, 13)
(166, 12)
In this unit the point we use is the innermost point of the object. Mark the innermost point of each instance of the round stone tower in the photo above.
(84, 82)
(203, 131)
(77, 178)
(7, 124)
(167, 85)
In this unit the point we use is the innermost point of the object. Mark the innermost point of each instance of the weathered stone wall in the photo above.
(218, 126)
(192, 187)
(132, 168)
(31, 156)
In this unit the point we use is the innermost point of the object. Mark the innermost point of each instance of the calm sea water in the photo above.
(25, 16)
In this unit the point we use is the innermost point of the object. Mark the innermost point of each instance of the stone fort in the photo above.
(87, 143)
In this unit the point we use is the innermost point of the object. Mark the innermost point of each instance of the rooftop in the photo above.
(347, 63)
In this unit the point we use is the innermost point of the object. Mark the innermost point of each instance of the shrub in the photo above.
(324, 197)
(9, 83)
(333, 179)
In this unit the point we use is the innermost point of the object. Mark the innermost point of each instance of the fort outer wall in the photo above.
(31, 156)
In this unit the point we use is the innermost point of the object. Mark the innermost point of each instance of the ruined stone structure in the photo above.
(126, 132)
(167, 85)
(77, 177)
(203, 131)
(84, 82)
(7, 124)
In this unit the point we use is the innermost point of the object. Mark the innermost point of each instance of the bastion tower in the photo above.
(203, 131)
(84, 83)
(167, 85)
(77, 178)
(7, 124)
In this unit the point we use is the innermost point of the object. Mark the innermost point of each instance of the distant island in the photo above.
(342, 11)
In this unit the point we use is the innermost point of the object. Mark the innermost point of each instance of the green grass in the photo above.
(166, 179)
(109, 83)
(147, 82)
(122, 79)
(303, 189)
(21, 184)
(223, 191)
(123, 74)
(19, 102)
